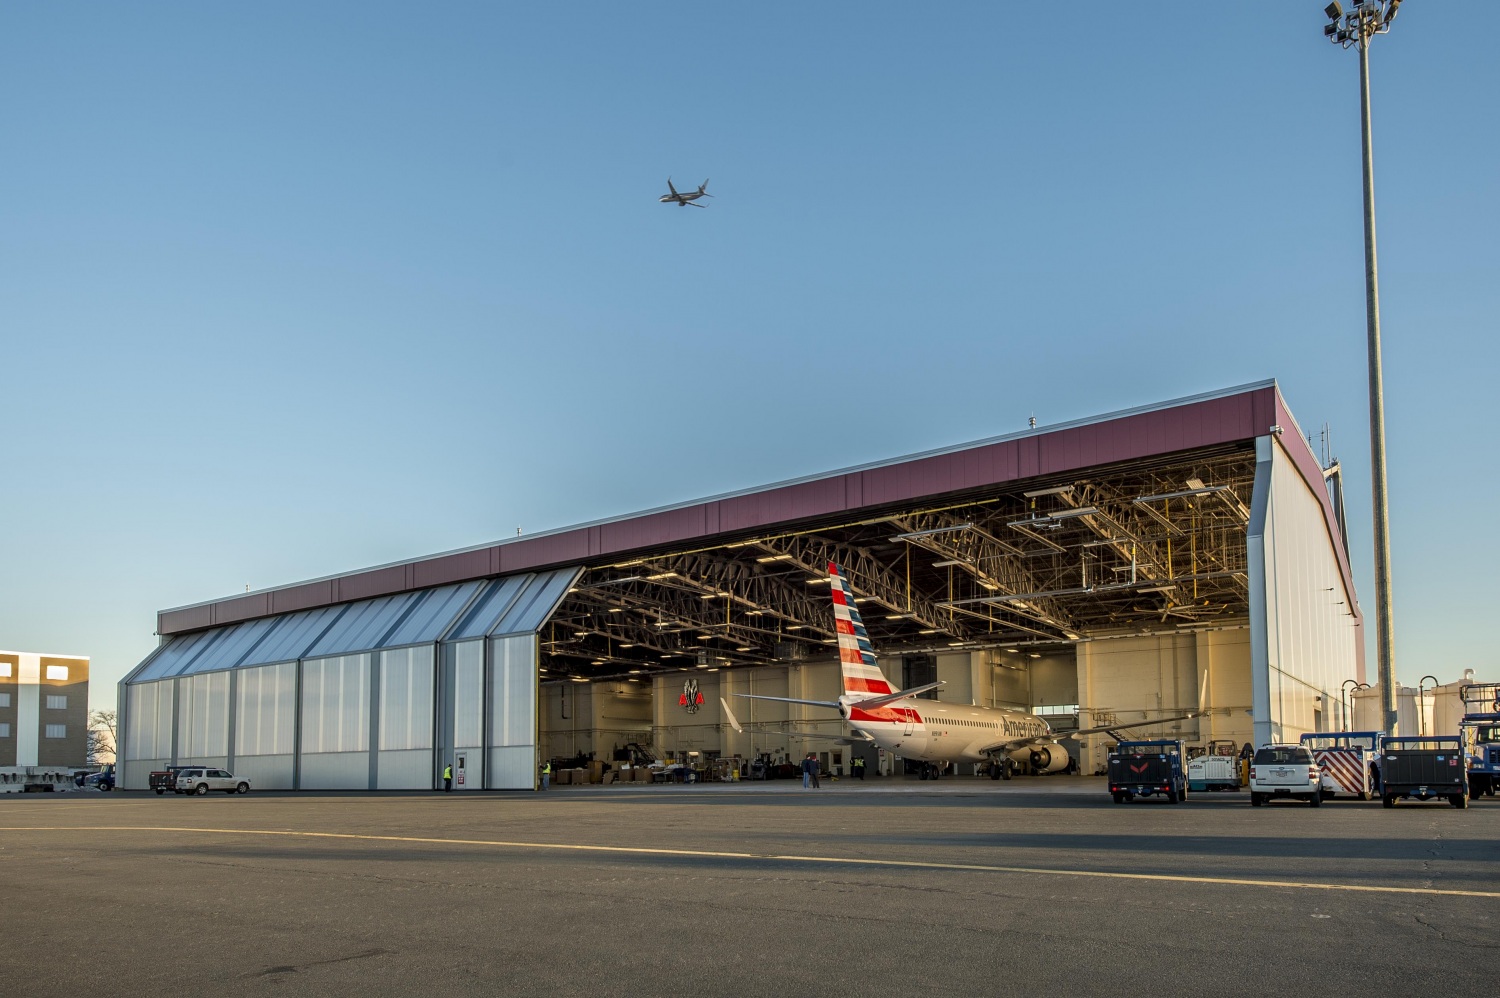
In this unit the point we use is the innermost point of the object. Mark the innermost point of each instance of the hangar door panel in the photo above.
(513, 687)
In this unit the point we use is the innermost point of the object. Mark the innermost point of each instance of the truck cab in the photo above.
(1480, 731)
(1147, 768)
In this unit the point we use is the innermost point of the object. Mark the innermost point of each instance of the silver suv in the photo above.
(1285, 771)
(201, 779)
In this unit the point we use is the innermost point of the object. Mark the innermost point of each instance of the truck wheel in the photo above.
(1364, 795)
(1316, 799)
(1119, 797)
(243, 788)
(1459, 801)
(159, 791)
(1171, 797)
(1256, 800)
(201, 790)
(1474, 791)
(1389, 800)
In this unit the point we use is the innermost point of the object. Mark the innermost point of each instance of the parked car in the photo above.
(1285, 771)
(201, 779)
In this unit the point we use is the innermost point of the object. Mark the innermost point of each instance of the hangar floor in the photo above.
(964, 888)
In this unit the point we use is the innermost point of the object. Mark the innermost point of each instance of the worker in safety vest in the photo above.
(546, 774)
(448, 778)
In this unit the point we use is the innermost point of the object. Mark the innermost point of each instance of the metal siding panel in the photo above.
(362, 626)
(188, 619)
(540, 597)
(461, 567)
(307, 596)
(365, 585)
(293, 635)
(560, 548)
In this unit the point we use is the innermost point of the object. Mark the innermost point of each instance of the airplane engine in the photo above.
(1051, 758)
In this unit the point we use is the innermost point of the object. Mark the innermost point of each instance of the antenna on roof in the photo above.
(1032, 421)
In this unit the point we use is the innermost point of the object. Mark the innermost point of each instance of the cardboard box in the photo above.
(559, 777)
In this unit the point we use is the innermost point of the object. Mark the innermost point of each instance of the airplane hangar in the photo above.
(1181, 557)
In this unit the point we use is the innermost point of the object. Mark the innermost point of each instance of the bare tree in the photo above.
(101, 736)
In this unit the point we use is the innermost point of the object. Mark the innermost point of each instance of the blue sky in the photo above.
(288, 290)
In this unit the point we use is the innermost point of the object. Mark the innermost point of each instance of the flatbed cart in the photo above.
(1425, 768)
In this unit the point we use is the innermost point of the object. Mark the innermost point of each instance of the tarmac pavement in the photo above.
(896, 887)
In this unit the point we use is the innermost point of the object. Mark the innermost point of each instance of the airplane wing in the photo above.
(1011, 744)
(844, 739)
(811, 703)
(695, 204)
(890, 698)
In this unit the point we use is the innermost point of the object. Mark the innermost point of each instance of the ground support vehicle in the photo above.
(1285, 771)
(201, 779)
(1480, 731)
(1427, 768)
(1216, 768)
(1350, 761)
(1142, 769)
(163, 780)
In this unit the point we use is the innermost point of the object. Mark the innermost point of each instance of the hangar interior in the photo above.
(1102, 584)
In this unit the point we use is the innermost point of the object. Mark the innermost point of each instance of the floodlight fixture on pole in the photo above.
(1356, 29)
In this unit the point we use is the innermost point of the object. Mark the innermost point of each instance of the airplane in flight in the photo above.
(685, 199)
(930, 731)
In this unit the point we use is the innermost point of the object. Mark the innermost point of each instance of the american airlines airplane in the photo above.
(931, 731)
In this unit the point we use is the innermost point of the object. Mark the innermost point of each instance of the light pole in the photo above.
(1344, 698)
(1356, 29)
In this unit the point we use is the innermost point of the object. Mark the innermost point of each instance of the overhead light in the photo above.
(1010, 651)
(661, 575)
(1334, 11)
(743, 648)
(950, 562)
(954, 644)
(1057, 491)
(714, 669)
(581, 634)
(597, 661)
(794, 627)
(1195, 483)
(705, 637)
(928, 630)
(895, 616)
(635, 672)
(773, 557)
(1064, 514)
(1035, 654)
(625, 644)
(752, 613)
(988, 585)
(710, 595)
(579, 679)
(817, 582)
(1202, 491)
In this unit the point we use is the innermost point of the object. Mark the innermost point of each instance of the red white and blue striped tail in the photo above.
(862, 676)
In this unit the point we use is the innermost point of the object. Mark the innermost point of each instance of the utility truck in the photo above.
(1426, 768)
(1480, 731)
(1147, 768)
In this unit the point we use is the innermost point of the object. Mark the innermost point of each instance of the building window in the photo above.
(4, 670)
(57, 703)
(57, 731)
(4, 729)
(4, 699)
(57, 672)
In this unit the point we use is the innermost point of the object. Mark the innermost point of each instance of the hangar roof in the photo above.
(1039, 533)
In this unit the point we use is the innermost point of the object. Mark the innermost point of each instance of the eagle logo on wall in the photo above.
(691, 699)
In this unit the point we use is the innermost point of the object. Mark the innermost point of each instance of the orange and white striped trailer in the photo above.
(1350, 761)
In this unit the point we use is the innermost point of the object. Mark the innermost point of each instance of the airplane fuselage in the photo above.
(933, 731)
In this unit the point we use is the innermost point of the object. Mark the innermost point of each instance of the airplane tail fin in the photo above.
(862, 677)
(671, 188)
(702, 189)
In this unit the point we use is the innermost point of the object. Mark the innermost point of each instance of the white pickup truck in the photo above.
(1285, 771)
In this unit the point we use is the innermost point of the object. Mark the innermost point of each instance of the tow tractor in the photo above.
(1215, 767)
(1425, 768)
(1350, 761)
(1141, 769)
(1480, 731)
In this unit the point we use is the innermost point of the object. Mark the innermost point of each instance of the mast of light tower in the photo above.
(1356, 29)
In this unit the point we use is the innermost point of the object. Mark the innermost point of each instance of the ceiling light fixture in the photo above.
(1055, 491)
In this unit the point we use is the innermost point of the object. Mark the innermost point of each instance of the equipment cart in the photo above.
(1350, 761)
(1425, 768)
(1141, 769)
(1216, 768)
